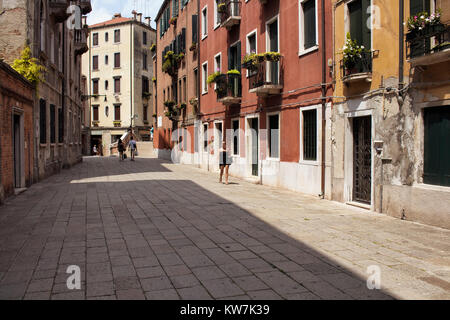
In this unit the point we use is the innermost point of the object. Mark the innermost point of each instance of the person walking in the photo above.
(151, 134)
(120, 148)
(94, 150)
(133, 147)
(224, 162)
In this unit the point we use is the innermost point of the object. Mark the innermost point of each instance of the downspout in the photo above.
(63, 102)
(400, 44)
(90, 91)
(198, 80)
(131, 76)
(324, 94)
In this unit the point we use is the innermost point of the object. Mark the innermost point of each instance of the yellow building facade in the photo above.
(391, 108)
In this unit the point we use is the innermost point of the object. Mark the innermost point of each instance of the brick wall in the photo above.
(16, 97)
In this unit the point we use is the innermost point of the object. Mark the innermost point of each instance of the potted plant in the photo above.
(153, 47)
(146, 95)
(154, 80)
(182, 106)
(423, 24)
(249, 61)
(234, 72)
(170, 63)
(173, 21)
(222, 7)
(352, 53)
(154, 115)
(272, 56)
(213, 77)
(169, 104)
(193, 46)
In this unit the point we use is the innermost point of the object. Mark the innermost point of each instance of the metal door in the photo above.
(362, 159)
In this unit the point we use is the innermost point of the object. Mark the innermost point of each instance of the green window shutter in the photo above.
(194, 28)
(366, 24)
(183, 39)
(417, 6)
(437, 146)
(238, 56)
(230, 58)
(309, 26)
(356, 24)
(160, 28)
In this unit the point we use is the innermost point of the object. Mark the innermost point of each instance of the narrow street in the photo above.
(155, 230)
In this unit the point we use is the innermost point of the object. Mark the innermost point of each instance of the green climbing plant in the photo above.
(29, 67)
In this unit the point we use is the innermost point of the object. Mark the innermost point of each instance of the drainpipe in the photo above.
(400, 44)
(63, 102)
(324, 94)
(131, 73)
(198, 79)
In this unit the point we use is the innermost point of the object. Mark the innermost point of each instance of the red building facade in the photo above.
(268, 89)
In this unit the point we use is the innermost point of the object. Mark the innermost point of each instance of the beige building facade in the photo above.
(119, 71)
(43, 26)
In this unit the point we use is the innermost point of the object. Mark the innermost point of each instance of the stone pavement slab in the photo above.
(157, 230)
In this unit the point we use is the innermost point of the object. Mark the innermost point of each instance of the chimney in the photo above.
(134, 13)
(148, 20)
(117, 15)
(139, 17)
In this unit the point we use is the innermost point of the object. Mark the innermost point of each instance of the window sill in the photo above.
(309, 162)
(307, 51)
(204, 92)
(117, 68)
(272, 159)
(216, 26)
(431, 187)
(43, 145)
(204, 37)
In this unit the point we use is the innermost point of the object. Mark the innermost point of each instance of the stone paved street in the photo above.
(155, 230)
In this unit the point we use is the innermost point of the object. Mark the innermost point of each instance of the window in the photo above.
(205, 137)
(95, 113)
(218, 62)
(145, 85)
(117, 36)
(235, 126)
(274, 135)
(95, 62)
(310, 134)
(42, 121)
(95, 86)
(308, 25)
(60, 125)
(95, 39)
(251, 48)
(216, 13)
(174, 8)
(106, 84)
(106, 36)
(117, 113)
(204, 22)
(359, 17)
(272, 43)
(116, 85)
(184, 89)
(117, 60)
(52, 124)
(196, 88)
(204, 78)
(195, 28)
(144, 61)
(144, 38)
(180, 92)
(145, 116)
(106, 60)
(436, 146)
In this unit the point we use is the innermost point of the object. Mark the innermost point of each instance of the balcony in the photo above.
(58, 9)
(358, 69)
(80, 39)
(428, 46)
(85, 6)
(264, 79)
(229, 89)
(230, 13)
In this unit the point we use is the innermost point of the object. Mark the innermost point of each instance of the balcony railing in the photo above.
(360, 68)
(265, 78)
(229, 88)
(80, 39)
(117, 123)
(230, 13)
(429, 45)
(58, 9)
(85, 6)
